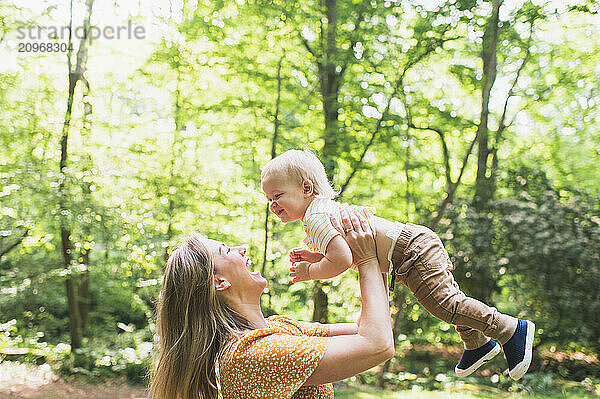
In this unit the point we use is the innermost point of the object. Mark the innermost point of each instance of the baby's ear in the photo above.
(308, 188)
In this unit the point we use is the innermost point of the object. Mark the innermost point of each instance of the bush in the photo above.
(105, 361)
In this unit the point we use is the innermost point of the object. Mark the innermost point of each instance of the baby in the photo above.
(297, 188)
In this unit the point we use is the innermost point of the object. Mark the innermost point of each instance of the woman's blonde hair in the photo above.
(193, 325)
(301, 165)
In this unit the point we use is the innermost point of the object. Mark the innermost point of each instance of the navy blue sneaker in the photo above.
(472, 359)
(519, 349)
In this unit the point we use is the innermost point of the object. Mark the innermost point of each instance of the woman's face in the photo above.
(231, 264)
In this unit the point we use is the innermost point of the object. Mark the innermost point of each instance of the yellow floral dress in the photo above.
(274, 362)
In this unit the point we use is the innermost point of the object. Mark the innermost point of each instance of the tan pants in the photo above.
(421, 263)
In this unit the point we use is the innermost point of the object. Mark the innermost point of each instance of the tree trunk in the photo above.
(400, 304)
(276, 124)
(329, 81)
(84, 297)
(482, 285)
(71, 289)
(65, 232)
(179, 125)
(75, 74)
(330, 84)
(484, 185)
(320, 313)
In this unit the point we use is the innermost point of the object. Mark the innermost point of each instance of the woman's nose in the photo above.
(272, 206)
(242, 250)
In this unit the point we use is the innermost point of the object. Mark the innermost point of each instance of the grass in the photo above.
(373, 394)
(430, 378)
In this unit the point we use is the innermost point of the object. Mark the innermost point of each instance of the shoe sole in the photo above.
(488, 356)
(520, 369)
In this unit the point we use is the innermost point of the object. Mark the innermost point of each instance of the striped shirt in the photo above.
(318, 228)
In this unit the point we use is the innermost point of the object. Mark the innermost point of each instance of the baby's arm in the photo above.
(337, 259)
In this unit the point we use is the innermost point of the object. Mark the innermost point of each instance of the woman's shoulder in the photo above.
(278, 320)
(278, 328)
(296, 327)
(276, 325)
(282, 336)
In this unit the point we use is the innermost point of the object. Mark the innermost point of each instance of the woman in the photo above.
(209, 316)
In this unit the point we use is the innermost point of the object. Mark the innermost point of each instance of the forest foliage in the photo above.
(480, 119)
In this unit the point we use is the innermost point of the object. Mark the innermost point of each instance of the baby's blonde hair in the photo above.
(301, 165)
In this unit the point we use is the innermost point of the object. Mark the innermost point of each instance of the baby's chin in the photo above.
(287, 219)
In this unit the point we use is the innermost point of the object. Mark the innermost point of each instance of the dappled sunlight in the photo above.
(24, 378)
(26, 381)
(479, 119)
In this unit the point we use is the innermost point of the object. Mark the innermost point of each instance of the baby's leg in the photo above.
(436, 289)
(471, 338)
(425, 268)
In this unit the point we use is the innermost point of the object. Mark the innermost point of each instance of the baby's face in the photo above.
(287, 199)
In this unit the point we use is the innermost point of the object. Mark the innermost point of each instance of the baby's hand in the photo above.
(299, 271)
(301, 254)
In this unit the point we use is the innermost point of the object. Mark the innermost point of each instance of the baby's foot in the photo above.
(519, 349)
(301, 254)
(472, 359)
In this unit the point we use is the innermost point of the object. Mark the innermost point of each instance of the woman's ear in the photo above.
(221, 284)
(308, 188)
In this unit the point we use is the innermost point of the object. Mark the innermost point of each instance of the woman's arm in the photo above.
(373, 343)
(343, 329)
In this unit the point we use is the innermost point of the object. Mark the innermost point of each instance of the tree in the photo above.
(394, 97)
(549, 235)
(76, 73)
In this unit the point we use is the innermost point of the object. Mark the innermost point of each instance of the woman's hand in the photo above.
(373, 343)
(357, 233)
